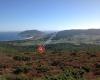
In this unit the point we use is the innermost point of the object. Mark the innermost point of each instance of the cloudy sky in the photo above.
(18, 15)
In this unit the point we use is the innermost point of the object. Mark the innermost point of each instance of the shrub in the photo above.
(19, 70)
(42, 69)
(21, 58)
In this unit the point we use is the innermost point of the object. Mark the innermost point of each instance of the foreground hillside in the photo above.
(59, 62)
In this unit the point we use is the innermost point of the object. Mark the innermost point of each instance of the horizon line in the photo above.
(49, 30)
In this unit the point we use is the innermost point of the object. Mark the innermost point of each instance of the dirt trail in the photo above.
(50, 39)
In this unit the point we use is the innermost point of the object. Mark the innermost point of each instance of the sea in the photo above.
(10, 36)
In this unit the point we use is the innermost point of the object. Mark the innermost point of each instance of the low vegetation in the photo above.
(60, 62)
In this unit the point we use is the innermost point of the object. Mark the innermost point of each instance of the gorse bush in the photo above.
(42, 69)
(19, 70)
(68, 74)
(21, 58)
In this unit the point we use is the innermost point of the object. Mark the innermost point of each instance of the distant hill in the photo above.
(88, 36)
(32, 34)
(71, 33)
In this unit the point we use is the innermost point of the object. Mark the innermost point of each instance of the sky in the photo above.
(19, 15)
